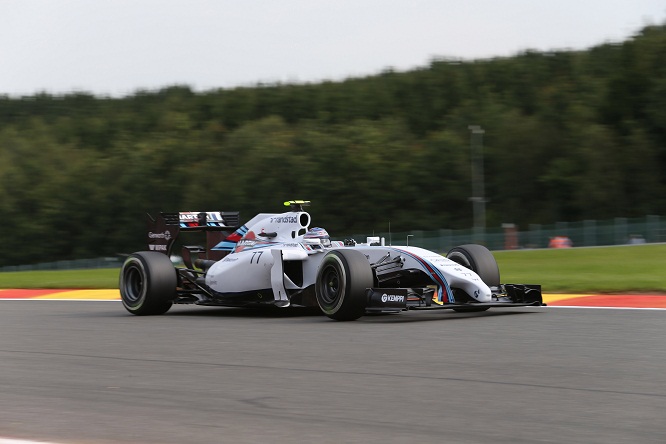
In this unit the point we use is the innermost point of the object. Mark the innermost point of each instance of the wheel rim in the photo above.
(462, 260)
(133, 285)
(331, 285)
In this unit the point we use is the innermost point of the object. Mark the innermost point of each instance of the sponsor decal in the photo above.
(157, 247)
(392, 298)
(189, 219)
(250, 242)
(166, 235)
(247, 241)
(387, 298)
(284, 220)
(230, 259)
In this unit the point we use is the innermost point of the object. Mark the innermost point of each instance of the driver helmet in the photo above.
(318, 233)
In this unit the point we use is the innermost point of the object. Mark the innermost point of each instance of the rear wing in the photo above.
(165, 228)
(203, 221)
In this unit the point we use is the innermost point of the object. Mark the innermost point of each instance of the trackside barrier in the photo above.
(587, 233)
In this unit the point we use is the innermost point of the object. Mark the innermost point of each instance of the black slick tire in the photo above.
(481, 261)
(342, 282)
(148, 283)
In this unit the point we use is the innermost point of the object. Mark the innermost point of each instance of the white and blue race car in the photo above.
(279, 260)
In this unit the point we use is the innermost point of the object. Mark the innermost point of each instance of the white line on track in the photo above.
(21, 441)
(59, 300)
(605, 308)
(118, 300)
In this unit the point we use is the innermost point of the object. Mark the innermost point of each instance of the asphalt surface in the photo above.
(89, 372)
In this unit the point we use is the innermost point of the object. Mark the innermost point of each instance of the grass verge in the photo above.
(631, 268)
(95, 278)
(625, 269)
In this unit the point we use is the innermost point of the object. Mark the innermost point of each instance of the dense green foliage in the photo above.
(569, 135)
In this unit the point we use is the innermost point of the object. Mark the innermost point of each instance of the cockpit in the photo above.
(317, 238)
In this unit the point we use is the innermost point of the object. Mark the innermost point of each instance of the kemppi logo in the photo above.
(392, 298)
(166, 235)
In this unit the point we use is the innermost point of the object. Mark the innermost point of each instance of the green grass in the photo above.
(638, 268)
(96, 278)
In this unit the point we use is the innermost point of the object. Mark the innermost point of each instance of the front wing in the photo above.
(400, 299)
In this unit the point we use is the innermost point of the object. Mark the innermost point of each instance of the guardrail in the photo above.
(587, 233)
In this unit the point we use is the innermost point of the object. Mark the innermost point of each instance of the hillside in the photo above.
(568, 136)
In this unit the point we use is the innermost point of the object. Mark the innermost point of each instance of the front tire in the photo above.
(148, 283)
(481, 261)
(342, 282)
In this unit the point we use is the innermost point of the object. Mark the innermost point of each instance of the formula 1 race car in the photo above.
(278, 260)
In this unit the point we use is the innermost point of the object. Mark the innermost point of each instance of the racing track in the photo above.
(88, 372)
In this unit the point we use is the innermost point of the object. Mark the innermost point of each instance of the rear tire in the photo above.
(342, 282)
(148, 283)
(481, 261)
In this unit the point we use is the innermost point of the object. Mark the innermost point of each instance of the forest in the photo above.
(569, 135)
